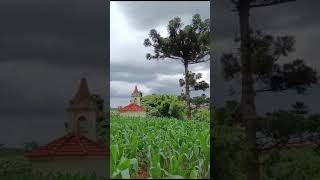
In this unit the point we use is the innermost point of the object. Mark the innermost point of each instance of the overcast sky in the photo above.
(46, 46)
(299, 19)
(130, 23)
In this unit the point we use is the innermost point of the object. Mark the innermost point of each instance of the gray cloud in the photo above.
(147, 15)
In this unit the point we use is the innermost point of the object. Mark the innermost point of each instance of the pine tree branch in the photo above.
(271, 3)
(172, 57)
(270, 90)
(234, 1)
(200, 60)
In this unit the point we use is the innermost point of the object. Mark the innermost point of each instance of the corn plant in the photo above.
(167, 148)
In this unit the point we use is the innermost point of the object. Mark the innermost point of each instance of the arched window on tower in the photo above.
(83, 125)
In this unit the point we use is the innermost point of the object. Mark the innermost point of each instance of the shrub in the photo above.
(201, 114)
(170, 106)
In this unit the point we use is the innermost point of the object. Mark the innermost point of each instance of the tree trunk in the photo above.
(187, 95)
(247, 93)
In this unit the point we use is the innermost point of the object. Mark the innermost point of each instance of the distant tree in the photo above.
(29, 146)
(101, 116)
(102, 124)
(200, 100)
(286, 127)
(300, 108)
(103, 130)
(188, 45)
(99, 102)
(1, 148)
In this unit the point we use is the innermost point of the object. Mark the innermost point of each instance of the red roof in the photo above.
(70, 145)
(132, 107)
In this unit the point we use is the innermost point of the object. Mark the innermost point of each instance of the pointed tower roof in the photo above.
(83, 91)
(135, 92)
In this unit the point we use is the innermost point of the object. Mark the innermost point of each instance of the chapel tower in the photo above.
(82, 113)
(135, 96)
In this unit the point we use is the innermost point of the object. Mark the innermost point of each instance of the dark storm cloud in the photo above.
(287, 17)
(35, 94)
(46, 47)
(294, 15)
(299, 19)
(60, 32)
(42, 88)
(40, 128)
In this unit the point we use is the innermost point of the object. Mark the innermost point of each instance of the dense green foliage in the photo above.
(301, 163)
(13, 165)
(281, 162)
(293, 164)
(164, 106)
(228, 152)
(48, 177)
(166, 148)
(16, 167)
(201, 114)
(172, 106)
(102, 130)
(200, 100)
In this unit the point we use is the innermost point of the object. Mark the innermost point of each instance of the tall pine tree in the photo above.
(188, 45)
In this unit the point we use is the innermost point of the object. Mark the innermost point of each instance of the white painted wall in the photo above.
(135, 100)
(133, 114)
(72, 120)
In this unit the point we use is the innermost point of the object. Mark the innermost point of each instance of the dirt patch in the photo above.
(142, 173)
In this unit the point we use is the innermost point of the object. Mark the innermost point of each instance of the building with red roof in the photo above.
(134, 108)
(77, 152)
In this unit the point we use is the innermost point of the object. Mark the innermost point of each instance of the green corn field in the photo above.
(159, 148)
(18, 168)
